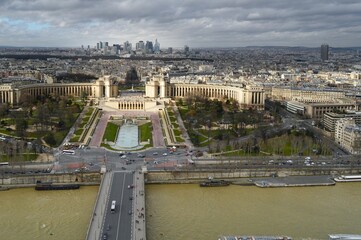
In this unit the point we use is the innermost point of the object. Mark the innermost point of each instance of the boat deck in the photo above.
(294, 181)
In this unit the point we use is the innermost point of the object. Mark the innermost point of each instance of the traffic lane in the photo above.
(118, 225)
(111, 219)
(125, 229)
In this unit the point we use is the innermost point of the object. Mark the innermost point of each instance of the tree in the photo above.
(4, 110)
(132, 76)
(83, 96)
(50, 139)
(21, 123)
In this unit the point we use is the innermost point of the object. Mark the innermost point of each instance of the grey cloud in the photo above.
(198, 23)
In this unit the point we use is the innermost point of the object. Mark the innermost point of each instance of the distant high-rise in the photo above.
(156, 46)
(149, 47)
(139, 45)
(186, 49)
(324, 52)
(127, 46)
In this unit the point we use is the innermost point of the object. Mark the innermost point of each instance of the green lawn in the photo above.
(79, 131)
(179, 139)
(145, 132)
(23, 157)
(177, 132)
(90, 111)
(110, 132)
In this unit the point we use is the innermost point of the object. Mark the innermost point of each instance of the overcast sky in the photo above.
(175, 23)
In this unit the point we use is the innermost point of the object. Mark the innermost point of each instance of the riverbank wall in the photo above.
(30, 180)
(195, 176)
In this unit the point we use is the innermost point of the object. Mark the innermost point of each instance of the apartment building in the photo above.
(330, 118)
(348, 135)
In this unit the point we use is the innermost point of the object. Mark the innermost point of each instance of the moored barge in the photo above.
(50, 186)
(214, 183)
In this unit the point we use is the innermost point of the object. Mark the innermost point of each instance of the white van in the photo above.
(112, 207)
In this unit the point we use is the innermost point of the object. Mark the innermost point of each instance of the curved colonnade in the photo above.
(13, 94)
(248, 97)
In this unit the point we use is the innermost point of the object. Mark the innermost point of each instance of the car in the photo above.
(105, 236)
(130, 212)
(165, 154)
(130, 198)
(124, 156)
(155, 153)
(130, 186)
(123, 168)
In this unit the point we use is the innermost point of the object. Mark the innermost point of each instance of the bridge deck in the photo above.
(114, 186)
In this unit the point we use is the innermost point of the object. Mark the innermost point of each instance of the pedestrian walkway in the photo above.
(97, 137)
(184, 131)
(139, 230)
(96, 221)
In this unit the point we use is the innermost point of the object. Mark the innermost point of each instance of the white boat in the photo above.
(348, 178)
(344, 237)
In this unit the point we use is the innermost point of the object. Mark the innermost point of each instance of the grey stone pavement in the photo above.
(99, 130)
(184, 131)
(139, 226)
(97, 137)
(96, 221)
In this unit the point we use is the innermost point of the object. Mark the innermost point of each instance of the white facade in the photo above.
(348, 135)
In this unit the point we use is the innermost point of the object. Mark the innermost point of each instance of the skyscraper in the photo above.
(324, 52)
(149, 47)
(156, 46)
(127, 46)
(186, 49)
(139, 45)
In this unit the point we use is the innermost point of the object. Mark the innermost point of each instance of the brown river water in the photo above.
(187, 212)
(57, 215)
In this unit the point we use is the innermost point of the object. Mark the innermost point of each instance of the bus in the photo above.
(112, 208)
(4, 163)
(72, 152)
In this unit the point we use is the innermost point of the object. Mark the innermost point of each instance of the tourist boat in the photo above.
(214, 183)
(344, 237)
(254, 238)
(348, 178)
(50, 186)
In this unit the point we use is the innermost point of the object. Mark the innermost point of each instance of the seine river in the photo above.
(187, 212)
(29, 214)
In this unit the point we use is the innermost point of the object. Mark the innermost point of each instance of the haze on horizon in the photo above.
(201, 23)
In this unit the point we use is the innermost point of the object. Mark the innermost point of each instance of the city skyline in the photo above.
(45, 23)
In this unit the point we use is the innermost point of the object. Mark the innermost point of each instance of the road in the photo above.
(92, 159)
(118, 225)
